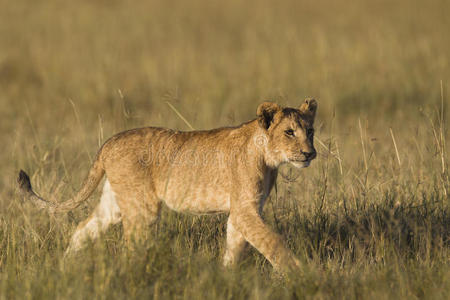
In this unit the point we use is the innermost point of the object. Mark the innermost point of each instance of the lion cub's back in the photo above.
(186, 169)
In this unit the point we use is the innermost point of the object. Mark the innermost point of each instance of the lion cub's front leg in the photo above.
(235, 244)
(246, 223)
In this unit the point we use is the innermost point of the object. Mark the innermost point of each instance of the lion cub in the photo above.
(225, 170)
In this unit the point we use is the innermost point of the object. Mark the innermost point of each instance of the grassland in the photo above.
(369, 219)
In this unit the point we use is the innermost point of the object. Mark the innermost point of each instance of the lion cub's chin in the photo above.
(301, 164)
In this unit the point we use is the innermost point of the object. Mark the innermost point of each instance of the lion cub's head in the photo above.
(289, 133)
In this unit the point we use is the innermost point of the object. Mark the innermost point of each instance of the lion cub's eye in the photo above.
(289, 132)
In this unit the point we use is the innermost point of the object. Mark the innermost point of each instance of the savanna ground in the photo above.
(369, 219)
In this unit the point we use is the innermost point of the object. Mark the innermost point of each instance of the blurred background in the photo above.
(73, 73)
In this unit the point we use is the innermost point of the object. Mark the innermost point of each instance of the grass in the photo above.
(369, 219)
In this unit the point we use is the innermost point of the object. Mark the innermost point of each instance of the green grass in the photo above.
(368, 219)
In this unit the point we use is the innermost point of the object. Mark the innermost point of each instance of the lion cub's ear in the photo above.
(265, 113)
(308, 109)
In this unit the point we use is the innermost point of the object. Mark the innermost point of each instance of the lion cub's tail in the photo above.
(95, 175)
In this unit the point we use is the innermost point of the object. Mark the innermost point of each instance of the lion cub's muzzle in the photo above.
(309, 155)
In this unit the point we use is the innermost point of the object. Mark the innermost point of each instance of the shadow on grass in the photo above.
(376, 232)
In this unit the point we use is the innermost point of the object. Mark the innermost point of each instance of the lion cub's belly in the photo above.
(197, 201)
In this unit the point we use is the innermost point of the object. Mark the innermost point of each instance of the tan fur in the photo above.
(226, 170)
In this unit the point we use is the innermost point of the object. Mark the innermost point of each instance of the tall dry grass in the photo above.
(369, 219)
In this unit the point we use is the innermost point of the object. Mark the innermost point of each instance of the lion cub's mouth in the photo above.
(301, 163)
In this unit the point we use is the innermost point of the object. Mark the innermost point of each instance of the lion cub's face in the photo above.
(290, 133)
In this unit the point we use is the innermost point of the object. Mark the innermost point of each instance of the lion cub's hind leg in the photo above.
(140, 210)
(106, 213)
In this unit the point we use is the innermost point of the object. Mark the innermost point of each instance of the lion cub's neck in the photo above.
(252, 144)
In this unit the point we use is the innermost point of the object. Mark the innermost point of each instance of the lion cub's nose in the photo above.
(310, 155)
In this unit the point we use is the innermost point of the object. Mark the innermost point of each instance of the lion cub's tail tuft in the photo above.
(26, 190)
(24, 182)
(93, 179)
